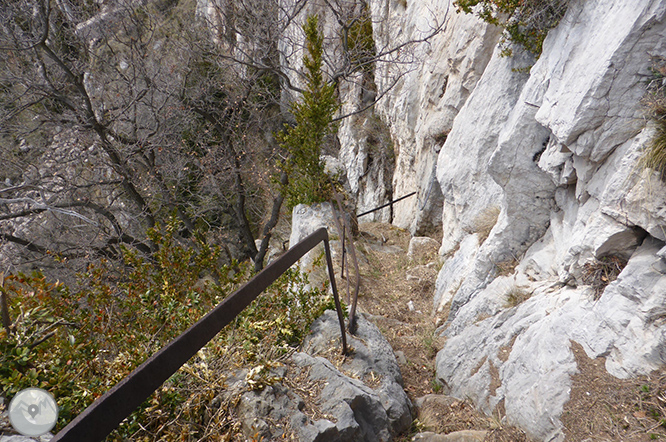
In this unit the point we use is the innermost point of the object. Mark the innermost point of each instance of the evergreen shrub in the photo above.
(308, 181)
(78, 342)
(526, 22)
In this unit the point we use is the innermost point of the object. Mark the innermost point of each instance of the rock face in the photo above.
(429, 91)
(531, 169)
(557, 151)
(360, 399)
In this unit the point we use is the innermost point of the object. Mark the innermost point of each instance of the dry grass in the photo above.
(604, 408)
(602, 272)
(298, 380)
(385, 293)
(485, 222)
(505, 351)
(444, 414)
(654, 157)
(516, 296)
(505, 434)
(507, 267)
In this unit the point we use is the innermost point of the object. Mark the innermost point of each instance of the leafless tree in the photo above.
(109, 126)
(115, 116)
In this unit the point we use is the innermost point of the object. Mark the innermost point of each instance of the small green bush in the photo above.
(79, 343)
(360, 42)
(526, 22)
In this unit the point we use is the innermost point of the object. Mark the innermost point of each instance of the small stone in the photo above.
(422, 249)
(400, 356)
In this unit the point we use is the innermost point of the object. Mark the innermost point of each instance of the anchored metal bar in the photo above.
(352, 253)
(107, 412)
(385, 205)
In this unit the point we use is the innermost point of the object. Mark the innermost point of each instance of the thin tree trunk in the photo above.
(246, 231)
(270, 224)
(4, 307)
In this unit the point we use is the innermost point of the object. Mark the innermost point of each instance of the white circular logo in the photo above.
(33, 412)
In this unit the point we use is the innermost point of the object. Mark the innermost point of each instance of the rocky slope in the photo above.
(531, 169)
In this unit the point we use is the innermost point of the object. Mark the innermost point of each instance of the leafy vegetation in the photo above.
(526, 22)
(163, 107)
(79, 342)
(360, 42)
(308, 181)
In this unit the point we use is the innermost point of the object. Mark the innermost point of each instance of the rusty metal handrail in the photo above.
(352, 252)
(107, 412)
(390, 203)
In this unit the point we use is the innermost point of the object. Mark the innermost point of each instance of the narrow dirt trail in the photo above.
(401, 308)
(396, 293)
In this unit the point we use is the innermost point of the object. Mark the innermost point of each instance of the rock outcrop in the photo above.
(429, 91)
(531, 170)
(538, 185)
(359, 398)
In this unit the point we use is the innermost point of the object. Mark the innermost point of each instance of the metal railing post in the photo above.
(338, 307)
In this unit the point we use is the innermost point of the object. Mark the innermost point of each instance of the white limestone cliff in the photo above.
(421, 108)
(531, 171)
(554, 146)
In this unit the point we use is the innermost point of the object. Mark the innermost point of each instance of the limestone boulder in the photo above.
(359, 398)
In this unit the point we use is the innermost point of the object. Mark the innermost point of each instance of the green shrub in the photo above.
(526, 22)
(308, 181)
(360, 43)
(79, 343)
